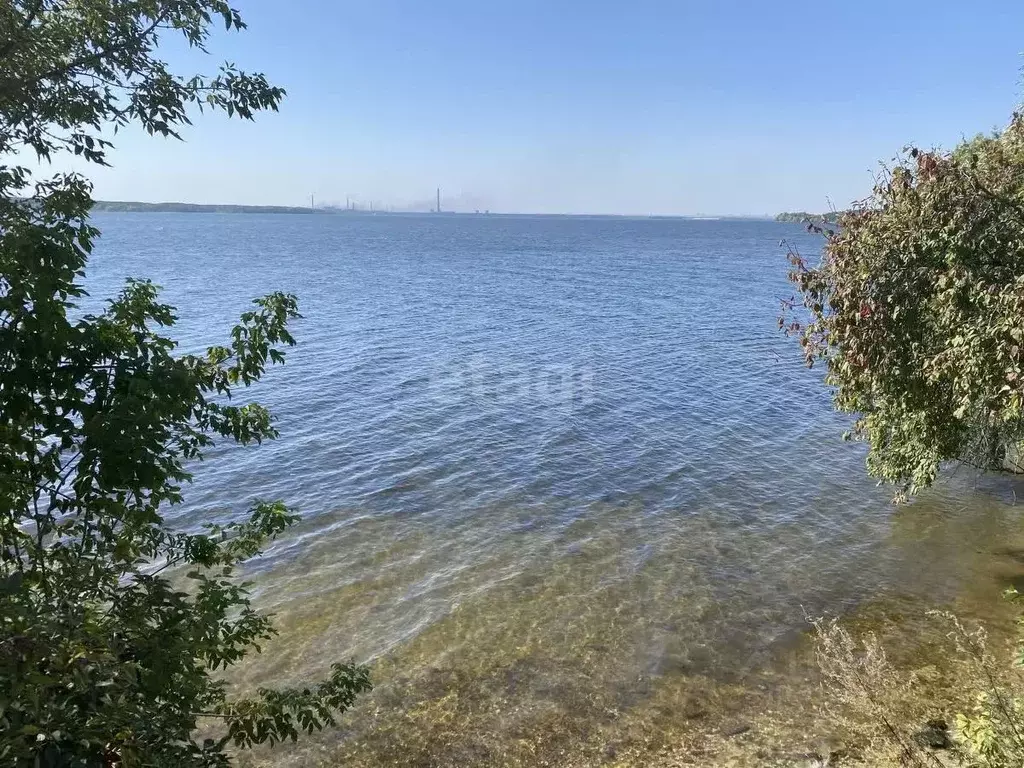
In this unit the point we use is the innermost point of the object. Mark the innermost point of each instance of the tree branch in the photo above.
(9, 46)
(95, 58)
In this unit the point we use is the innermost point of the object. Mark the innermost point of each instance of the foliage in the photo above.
(885, 708)
(111, 622)
(917, 309)
(803, 217)
(867, 696)
(990, 731)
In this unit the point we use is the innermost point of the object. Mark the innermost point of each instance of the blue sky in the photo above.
(743, 107)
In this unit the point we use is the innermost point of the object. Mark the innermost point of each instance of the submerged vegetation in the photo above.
(112, 624)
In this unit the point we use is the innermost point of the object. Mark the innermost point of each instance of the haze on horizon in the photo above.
(667, 108)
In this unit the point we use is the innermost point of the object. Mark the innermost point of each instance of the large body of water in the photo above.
(555, 473)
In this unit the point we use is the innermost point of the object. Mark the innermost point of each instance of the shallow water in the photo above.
(564, 470)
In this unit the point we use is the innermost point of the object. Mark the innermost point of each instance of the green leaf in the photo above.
(109, 654)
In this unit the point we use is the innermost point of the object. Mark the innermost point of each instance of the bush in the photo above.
(895, 720)
(917, 310)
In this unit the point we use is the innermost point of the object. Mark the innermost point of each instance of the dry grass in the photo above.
(836, 698)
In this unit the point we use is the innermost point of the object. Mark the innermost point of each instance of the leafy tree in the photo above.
(801, 217)
(112, 622)
(917, 310)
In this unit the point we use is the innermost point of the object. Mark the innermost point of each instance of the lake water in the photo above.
(556, 474)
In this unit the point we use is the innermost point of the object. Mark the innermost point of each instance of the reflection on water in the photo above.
(562, 482)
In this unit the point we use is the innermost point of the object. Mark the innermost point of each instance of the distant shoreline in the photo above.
(119, 206)
(803, 217)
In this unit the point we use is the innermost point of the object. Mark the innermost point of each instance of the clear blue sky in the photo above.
(685, 107)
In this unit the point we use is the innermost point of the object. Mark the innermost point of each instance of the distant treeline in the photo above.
(803, 216)
(115, 206)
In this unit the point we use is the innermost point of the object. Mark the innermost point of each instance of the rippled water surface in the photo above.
(555, 472)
